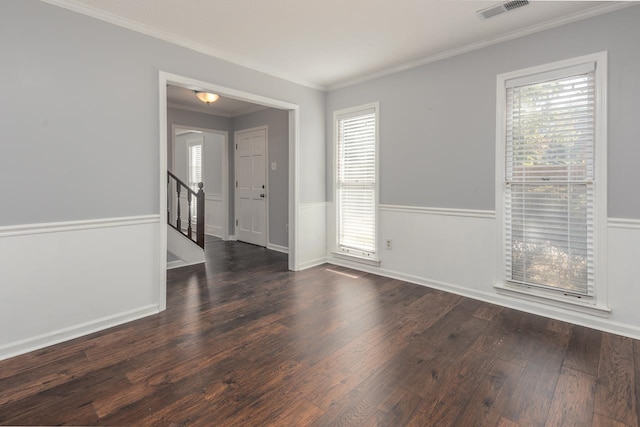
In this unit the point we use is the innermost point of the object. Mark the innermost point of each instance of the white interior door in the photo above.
(251, 191)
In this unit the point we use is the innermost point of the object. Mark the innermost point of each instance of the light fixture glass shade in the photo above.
(207, 97)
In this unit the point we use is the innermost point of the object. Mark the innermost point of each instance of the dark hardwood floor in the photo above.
(244, 342)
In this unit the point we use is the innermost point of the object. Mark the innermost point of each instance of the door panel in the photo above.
(251, 192)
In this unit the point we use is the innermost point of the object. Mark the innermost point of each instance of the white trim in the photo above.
(267, 190)
(552, 298)
(177, 40)
(337, 115)
(232, 238)
(532, 29)
(472, 213)
(278, 248)
(312, 263)
(599, 300)
(356, 258)
(224, 197)
(65, 334)
(528, 306)
(629, 224)
(175, 264)
(64, 226)
(165, 78)
(181, 263)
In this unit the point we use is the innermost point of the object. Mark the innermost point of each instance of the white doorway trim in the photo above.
(165, 78)
(225, 169)
(266, 178)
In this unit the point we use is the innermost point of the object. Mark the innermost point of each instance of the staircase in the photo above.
(185, 214)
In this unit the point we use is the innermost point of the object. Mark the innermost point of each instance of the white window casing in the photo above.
(551, 184)
(356, 182)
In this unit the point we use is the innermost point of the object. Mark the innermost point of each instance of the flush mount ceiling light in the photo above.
(207, 97)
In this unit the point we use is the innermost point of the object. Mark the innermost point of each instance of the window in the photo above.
(551, 179)
(195, 165)
(194, 156)
(356, 180)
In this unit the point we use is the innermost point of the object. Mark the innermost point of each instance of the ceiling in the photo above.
(331, 43)
(179, 97)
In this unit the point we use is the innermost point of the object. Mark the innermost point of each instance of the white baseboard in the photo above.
(232, 238)
(180, 263)
(65, 334)
(312, 263)
(278, 248)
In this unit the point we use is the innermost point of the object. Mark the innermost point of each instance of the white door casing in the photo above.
(251, 186)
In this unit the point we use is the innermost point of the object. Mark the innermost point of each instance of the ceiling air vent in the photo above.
(498, 9)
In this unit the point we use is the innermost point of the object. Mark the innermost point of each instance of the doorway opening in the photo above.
(286, 218)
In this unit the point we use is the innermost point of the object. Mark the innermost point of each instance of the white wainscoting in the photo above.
(312, 231)
(214, 215)
(63, 280)
(454, 250)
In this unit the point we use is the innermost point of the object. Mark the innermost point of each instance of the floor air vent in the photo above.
(498, 9)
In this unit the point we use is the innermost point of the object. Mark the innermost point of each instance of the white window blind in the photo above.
(356, 182)
(195, 176)
(195, 165)
(549, 188)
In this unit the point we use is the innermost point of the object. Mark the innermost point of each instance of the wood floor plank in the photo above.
(505, 422)
(559, 326)
(396, 410)
(583, 353)
(602, 421)
(442, 405)
(573, 399)
(531, 400)
(488, 401)
(636, 365)
(616, 390)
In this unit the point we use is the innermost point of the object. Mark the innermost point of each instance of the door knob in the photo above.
(262, 195)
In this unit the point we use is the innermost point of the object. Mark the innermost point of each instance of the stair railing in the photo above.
(191, 196)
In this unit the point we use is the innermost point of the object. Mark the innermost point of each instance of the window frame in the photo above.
(371, 258)
(596, 304)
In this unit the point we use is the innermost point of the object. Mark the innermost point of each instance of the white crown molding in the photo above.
(579, 16)
(58, 227)
(177, 40)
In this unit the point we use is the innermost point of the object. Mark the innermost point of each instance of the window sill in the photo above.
(552, 299)
(355, 258)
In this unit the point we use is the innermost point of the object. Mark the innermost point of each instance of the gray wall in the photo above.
(180, 117)
(88, 148)
(437, 121)
(278, 141)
